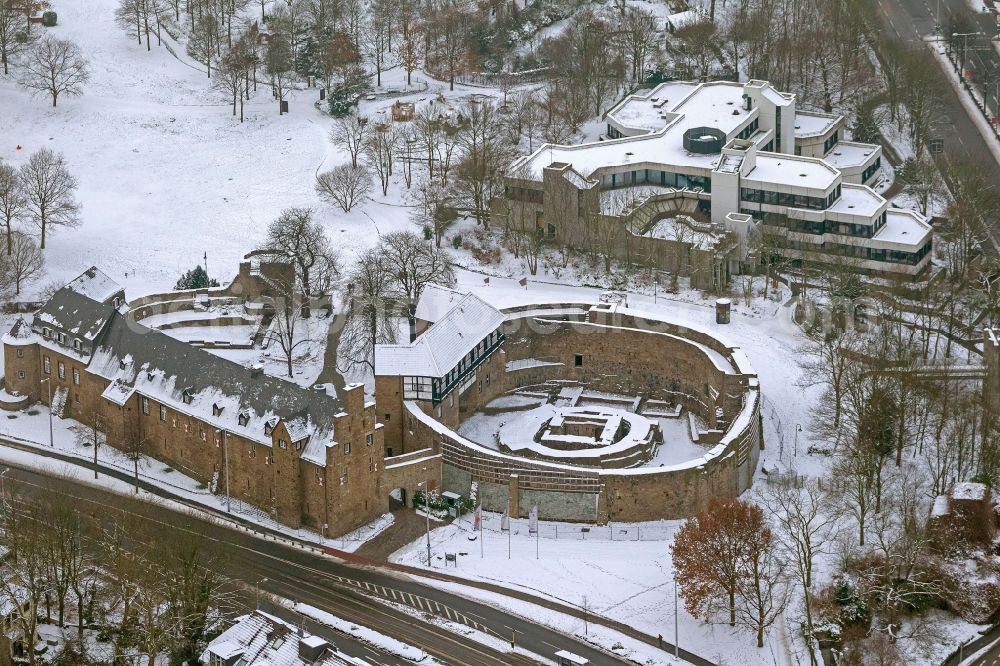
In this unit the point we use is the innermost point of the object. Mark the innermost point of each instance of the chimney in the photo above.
(256, 370)
(413, 328)
(311, 648)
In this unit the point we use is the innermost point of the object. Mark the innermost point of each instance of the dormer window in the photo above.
(243, 418)
(46, 332)
(117, 302)
(187, 396)
(217, 409)
(77, 345)
(268, 428)
(62, 338)
(121, 364)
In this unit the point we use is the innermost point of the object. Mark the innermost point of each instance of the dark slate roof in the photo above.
(74, 313)
(177, 367)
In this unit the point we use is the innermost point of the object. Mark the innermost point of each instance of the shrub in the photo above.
(49, 19)
(456, 241)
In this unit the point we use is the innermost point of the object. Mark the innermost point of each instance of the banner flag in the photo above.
(533, 520)
(504, 522)
(478, 524)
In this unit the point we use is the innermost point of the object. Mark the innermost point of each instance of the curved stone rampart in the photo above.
(626, 352)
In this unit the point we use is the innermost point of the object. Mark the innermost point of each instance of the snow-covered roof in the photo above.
(969, 490)
(74, 314)
(848, 154)
(444, 345)
(261, 639)
(19, 334)
(96, 285)
(215, 390)
(904, 230)
(435, 301)
(859, 201)
(812, 123)
(792, 171)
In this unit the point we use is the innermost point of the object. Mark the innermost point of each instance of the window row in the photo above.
(752, 195)
(655, 177)
(60, 370)
(870, 171)
(748, 131)
(61, 338)
(830, 143)
(529, 194)
(820, 227)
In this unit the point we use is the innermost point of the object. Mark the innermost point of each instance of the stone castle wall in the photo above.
(621, 354)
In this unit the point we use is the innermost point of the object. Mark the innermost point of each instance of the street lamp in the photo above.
(798, 429)
(965, 47)
(427, 515)
(256, 593)
(677, 635)
(48, 386)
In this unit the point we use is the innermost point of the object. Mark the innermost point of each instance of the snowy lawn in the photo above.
(165, 171)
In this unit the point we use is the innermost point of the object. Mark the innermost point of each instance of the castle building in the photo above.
(740, 155)
(307, 458)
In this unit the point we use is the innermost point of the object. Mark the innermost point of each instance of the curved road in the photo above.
(337, 587)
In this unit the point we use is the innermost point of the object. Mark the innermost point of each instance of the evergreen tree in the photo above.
(196, 278)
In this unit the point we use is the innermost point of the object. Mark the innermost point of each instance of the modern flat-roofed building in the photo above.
(739, 155)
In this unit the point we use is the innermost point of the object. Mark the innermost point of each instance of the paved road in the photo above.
(910, 22)
(321, 582)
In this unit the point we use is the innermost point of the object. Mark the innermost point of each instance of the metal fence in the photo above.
(583, 532)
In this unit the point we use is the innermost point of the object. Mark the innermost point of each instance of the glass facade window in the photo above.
(748, 131)
(752, 195)
(871, 170)
(830, 143)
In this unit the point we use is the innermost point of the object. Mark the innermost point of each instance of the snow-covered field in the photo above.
(165, 171)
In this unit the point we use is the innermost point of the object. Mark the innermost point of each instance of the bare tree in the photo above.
(303, 241)
(409, 54)
(351, 133)
(370, 321)
(138, 14)
(415, 263)
(805, 526)
(434, 210)
(230, 77)
(12, 202)
(204, 43)
(379, 149)
(93, 433)
(287, 326)
(54, 67)
(49, 190)
(25, 581)
(763, 584)
(637, 37)
(345, 185)
(485, 156)
(23, 264)
(14, 36)
(279, 59)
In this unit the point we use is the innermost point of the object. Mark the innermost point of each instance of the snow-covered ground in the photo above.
(632, 580)
(165, 171)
